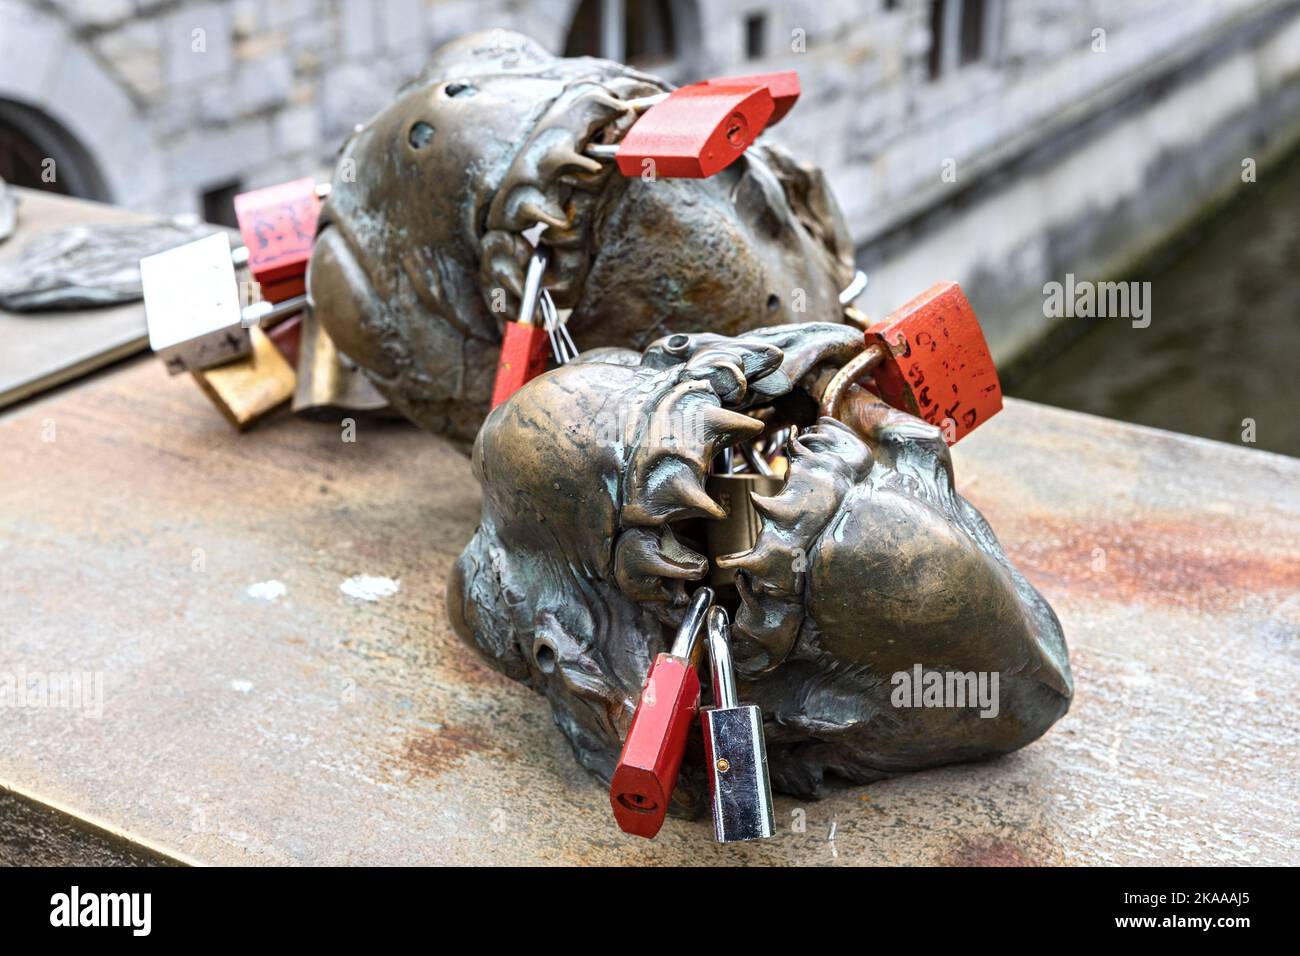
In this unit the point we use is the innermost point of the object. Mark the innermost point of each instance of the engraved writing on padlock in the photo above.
(651, 759)
(935, 362)
(278, 225)
(740, 791)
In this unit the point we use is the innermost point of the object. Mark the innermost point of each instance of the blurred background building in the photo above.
(1003, 143)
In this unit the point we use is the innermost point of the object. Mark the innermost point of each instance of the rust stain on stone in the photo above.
(991, 851)
(1203, 565)
(431, 753)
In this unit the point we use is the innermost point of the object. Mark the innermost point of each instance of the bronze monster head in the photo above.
(868, 563)
(595, 508)
(421, 254)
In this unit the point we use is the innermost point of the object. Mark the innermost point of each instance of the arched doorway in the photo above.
(39, 153)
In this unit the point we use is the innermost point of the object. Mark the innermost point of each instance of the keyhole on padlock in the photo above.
(638, 802)
(736, 130)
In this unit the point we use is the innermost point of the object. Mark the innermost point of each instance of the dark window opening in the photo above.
(756, 36)
(219, 204)
(24, 163)
(936, 38)
(648, 36)
(960, 33)
(584, 31)
(972, 30)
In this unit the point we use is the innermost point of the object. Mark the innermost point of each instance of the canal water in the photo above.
(1223, 346)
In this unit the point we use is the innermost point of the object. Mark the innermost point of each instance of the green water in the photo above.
(1224, 340)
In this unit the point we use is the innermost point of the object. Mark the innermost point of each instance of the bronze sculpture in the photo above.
(868, 564)
(421, 255)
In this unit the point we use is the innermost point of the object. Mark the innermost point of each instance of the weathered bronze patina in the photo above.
(868, 564)
(421, 253)
(596, 517)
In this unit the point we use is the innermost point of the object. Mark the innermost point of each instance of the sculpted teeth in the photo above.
(528, 205)
(557, 163)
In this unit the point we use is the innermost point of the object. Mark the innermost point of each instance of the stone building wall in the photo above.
(173, 100)
(200, 94)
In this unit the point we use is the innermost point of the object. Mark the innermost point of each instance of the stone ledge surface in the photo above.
(317, 729)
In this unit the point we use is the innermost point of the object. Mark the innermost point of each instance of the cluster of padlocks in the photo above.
(928, 358)
(244, 357)
(740, 791)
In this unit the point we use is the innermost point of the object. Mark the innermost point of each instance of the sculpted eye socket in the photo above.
(421, 135)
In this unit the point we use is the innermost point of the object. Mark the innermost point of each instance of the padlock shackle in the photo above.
(532, 287)
(757, 463)
(688, 635)
(262, 312)
(853, 371)
(724, 673)
(854, 288)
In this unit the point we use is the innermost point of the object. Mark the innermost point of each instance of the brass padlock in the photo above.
(738, 531)
(329, 386)
(248, 389)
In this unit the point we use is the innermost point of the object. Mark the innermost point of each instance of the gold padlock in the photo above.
(738, 531)
(329, 386)
(252, 387)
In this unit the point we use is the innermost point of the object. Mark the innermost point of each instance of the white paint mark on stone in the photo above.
(366, 587)
(243, 686)
(267, 590)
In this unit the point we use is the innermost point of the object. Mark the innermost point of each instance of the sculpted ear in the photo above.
(478, 611)
(344, 301)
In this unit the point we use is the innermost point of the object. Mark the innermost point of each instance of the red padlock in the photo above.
(696, 131)
(284, 289)
(524, 351)
(647, 768)
(278, 226)
(936, 364)
(783, 86)
(929, 359)
(525, 347)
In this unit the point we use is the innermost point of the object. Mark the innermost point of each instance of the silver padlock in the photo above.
(739, 788)
(191, 305)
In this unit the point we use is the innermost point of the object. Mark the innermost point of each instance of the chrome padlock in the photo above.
(740, 790)
(191, 306)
